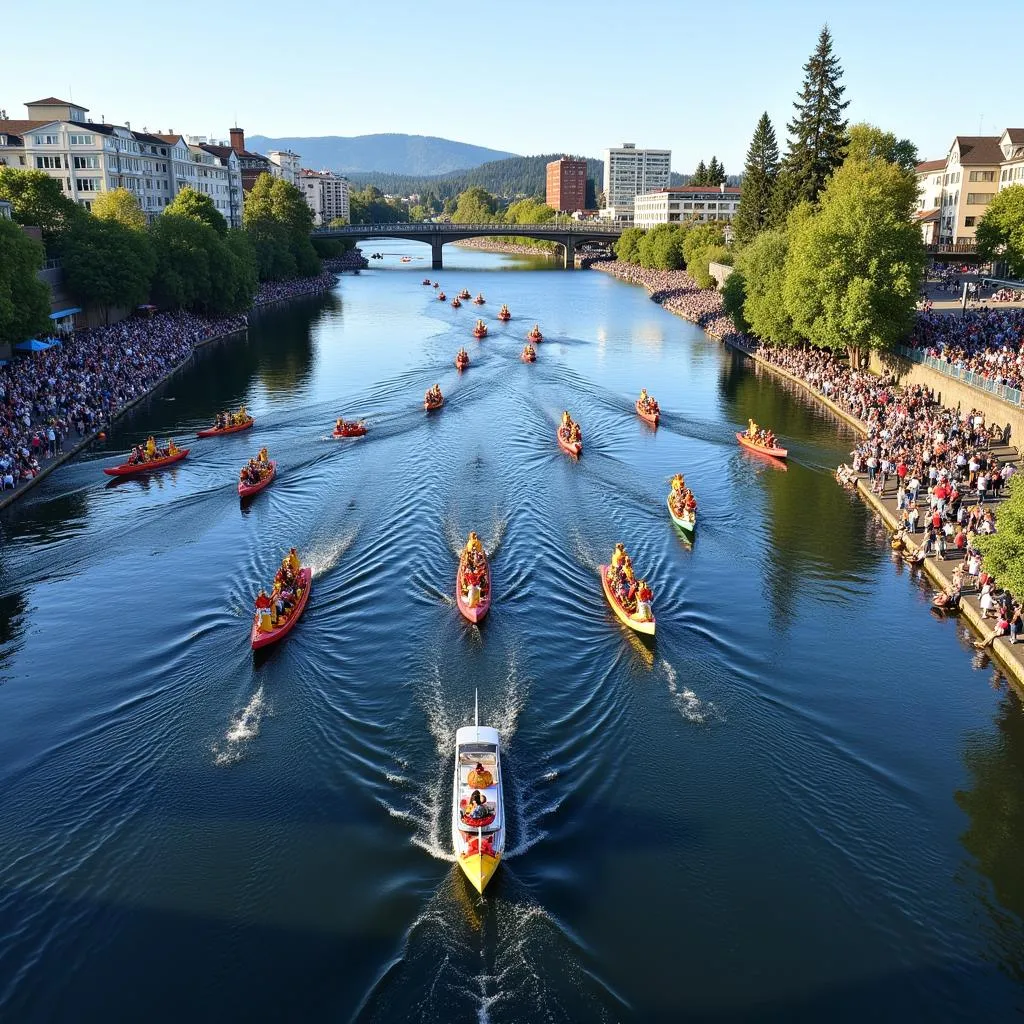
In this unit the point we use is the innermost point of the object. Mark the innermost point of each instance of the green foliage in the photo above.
(734, 295)
(627, 248)
(1000, 233)
(106, 263)
(279, 221)
(369, 206)
(817, 134)
(855, 267)
(716, 172)
(474, 206)
(759, 176)
(868, 142)
(199, 206)
(37, 200)
(120, 205)
(331, 248)
(762, 265)
(698, 241)
(529, 211)
(1003, 551)
(700, 175)
(198, 269)
(24, 299)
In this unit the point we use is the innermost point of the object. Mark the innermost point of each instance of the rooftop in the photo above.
(979, 149)
(52, 101)
(930, 165)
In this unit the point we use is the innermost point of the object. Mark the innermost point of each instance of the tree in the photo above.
(199, 206)
(667, 244)
(700, 176)
(279, 222)
(762, 265)
(24, 299)
(1003, 550)
(1000, 233)
(474, 206)
(759, 175)
(183, 247)
(817, 134)
(716, 172)
(369, 206)
(627, 247)
(867, 141)
(107, 264)
(854, 268)
(37, 200)
(734, 295)
(120, 205)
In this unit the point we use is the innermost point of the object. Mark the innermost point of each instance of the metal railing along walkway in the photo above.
(952, 370)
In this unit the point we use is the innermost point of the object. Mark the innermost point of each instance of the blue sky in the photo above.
(528, 76)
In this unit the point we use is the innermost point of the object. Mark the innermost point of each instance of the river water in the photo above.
(803, 801)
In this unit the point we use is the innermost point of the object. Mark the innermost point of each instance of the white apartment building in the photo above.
(929, 198)
(686, 203)
(286, 165)
(327, 195)
(218, 175)
(1011, 145)
(630, 172)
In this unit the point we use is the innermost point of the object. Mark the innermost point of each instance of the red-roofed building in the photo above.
(252, 164)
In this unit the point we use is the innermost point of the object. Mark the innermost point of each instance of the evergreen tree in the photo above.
(700, 176)
(759, 176)
(817, 134)
(716, 172)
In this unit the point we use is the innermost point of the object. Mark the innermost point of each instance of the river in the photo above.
(803, 801)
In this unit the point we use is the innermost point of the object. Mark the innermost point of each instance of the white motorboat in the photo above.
(478, 808)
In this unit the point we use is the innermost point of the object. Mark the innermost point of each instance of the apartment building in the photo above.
(285, 164)
(327, 195)
(252, 164)
(631, 172)
(566, 185)
(929, 202)
(1011, 145)
(686, 203)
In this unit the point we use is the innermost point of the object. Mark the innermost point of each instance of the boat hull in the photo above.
(349, 432)
(504, 317)
(649, 417)
(476, 613)
(639, 626)
(528, 358)
(145, 467)
(217, 431)
(775, 453)
(479, 334)
(478, 849)
(260, 640)
(461, 364)
(248, 490)
(573, 448)
(433, 407)
(533, 339)
(479, 868)
(687, 525)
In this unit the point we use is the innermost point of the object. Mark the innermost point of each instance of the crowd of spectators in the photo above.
(80, 384)
(987, 342)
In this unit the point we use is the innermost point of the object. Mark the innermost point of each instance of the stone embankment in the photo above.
(510, 248)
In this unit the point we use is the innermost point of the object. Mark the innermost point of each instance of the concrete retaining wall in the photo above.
(720, 272)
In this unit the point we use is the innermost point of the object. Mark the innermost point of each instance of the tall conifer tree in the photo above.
(716, 172)
(817, 134)
(700, 176)
(759, 175)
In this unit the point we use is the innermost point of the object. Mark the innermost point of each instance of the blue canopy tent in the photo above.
(61, 313)
(32, 345)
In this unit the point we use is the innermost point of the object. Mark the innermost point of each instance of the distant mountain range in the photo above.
(393, 153)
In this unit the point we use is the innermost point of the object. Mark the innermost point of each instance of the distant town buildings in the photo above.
(285, 164)
(252, 164)
(630, 172)
(686, 203)
(567, 185)
(90, 157)
(327, 195)
(954, 192)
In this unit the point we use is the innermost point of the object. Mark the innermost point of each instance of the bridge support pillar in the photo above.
(435, 255)
(570, 254)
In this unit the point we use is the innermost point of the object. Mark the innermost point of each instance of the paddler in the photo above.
(172, 448)
(618, 556)
(473, 545)
(644, 596)
(575, 434)
(751, 429)
(645, 399)
(678, 482)
(264, 613)
(151, 447)
(291, 561)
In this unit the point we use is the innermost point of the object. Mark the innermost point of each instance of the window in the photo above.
(982, 176)
(47, 162)
(979, 198)
(80, 140)
(82, 162)
(968, 222)
(88, 184)
(45, 140)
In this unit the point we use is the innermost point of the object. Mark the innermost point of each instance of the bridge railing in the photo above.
(429, 227)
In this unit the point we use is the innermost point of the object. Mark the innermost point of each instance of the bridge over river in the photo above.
(436, 235)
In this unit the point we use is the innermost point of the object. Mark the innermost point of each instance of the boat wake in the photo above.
(691, 707)
(467, 957)
(323, 557)
(243, 728)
